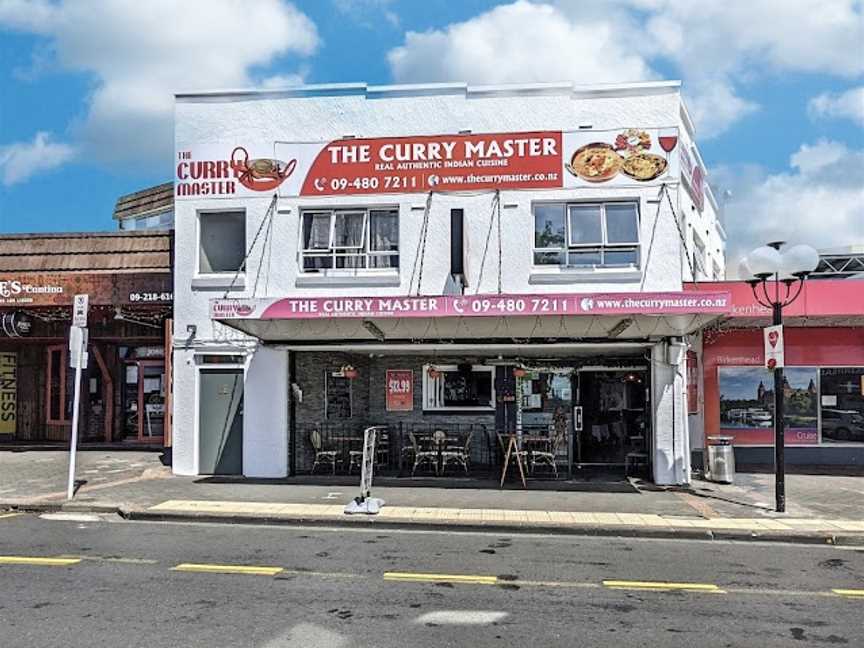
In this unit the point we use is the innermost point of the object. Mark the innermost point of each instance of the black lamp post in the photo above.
(776, 280)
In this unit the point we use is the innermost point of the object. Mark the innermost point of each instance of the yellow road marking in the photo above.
(32, 560)
(849, 593)
(412, 577)
(227, 569)
(661, 586)
(8, 515)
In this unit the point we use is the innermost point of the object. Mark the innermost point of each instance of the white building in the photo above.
(466, 259)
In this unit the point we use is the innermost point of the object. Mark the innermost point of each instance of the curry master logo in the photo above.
(219, 177)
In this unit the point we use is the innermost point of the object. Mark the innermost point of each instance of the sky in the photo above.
(776, 88)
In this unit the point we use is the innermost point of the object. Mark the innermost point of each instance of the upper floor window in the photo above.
(221, 241)
(586, 234)
(350, 239)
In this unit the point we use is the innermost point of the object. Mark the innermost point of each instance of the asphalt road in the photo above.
(156, 584)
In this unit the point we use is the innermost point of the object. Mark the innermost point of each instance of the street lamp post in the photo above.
(777, 280)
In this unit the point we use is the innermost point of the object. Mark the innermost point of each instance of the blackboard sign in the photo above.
(337, 396)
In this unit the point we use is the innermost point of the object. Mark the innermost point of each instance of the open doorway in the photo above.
(615, 424)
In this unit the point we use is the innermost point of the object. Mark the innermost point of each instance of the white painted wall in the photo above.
(265, 414)
(326, 114)
(671, 445)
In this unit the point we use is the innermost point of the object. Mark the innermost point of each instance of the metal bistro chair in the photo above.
(422, 456)
(322, 456)
(458, 455)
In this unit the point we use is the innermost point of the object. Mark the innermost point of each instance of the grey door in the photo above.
(220, 417)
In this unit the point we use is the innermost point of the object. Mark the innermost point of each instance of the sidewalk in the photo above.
(822, 508)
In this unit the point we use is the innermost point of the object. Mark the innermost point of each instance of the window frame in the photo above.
(333, 252)
(433, 399)
(50, 350)
(570, 248)
(199, 230)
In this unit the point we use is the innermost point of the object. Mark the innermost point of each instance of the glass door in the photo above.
(144, 401)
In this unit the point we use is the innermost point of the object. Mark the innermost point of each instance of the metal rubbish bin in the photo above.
(721, 459)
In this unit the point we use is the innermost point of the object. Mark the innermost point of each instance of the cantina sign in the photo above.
(524, 160)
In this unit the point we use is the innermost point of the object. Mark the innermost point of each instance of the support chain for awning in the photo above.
(268, 216)
(494, 215)
(420, 256)
(665, 189)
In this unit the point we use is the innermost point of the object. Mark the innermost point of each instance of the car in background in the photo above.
(842, 425)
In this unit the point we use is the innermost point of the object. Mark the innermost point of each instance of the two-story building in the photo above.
(456, 263)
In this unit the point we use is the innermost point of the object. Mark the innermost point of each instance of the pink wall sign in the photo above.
(668, 303)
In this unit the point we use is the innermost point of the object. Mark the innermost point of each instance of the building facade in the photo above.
(478, 262)
(125, 386)
(824, 377)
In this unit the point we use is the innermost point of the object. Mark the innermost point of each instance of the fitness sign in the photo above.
(419, 164)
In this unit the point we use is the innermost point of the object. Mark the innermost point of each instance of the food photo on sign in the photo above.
(418, 164)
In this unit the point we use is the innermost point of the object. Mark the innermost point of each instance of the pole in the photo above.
(76, 403)
(779, 426)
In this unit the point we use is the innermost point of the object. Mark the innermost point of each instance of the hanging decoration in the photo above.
(349, 372)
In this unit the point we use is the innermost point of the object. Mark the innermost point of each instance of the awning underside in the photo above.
(540, 328)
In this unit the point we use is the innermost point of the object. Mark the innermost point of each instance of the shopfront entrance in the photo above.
(613, 418)
(144, 401)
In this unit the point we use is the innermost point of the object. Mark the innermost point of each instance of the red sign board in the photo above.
(400, 390)
(692, 383)
(529, 160)
(546, 159)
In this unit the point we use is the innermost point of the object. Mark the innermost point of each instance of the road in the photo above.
(118, 583)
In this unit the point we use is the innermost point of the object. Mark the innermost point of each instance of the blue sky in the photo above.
(776, 88)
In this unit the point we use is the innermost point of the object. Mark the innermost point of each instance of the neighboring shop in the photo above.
(126, 383)
(823, 376)
(452, 264)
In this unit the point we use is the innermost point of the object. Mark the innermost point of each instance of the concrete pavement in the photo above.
(139, 486)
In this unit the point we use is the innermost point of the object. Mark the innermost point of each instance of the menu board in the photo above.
(400, 390)
(337, 396)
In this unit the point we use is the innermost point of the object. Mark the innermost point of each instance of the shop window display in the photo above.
(842, 404)
(747, 405)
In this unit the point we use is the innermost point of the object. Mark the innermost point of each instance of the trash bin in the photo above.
(721, 459)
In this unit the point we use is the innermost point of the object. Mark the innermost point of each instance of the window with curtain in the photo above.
(586, 234)
(350, 239)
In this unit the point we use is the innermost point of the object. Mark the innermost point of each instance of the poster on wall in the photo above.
(747, 405)
(692, 383)
(419, 164)
(8, 393)
(400, 390)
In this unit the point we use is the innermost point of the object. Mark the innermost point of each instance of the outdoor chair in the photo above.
(457, 455)
(322, 456)
(423, 456)
(546, 457)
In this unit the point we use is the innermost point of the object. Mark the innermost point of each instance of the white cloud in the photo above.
(849, 105)
(818, 201)
(281, 81)
(140, 53)
(519, 42)
(22, 160)
(367, 12)
(717, 47)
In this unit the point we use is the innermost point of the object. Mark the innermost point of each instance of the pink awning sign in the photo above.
(666, 303)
